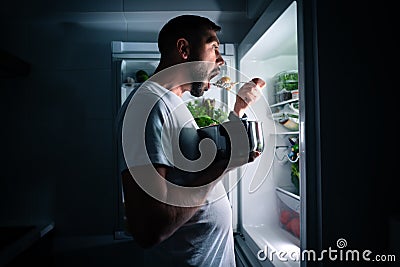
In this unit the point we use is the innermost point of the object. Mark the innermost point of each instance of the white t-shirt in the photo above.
(151, 124)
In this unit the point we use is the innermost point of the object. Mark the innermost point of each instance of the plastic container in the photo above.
(284, 83)
(290, 123)
(283, 95)
(295, 94)
(289, 211)
(290, 86)
(288, 116)
(287, 76)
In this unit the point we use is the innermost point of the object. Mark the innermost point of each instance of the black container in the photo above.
(235, 139)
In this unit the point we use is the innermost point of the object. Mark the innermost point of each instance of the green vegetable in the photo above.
(205, 120)
(295, 169)
(288, 76)
(141, 76)
(286, 80)
(291, 115)
(295, 175)
(205, 112)
(295, 148)
(290, 86)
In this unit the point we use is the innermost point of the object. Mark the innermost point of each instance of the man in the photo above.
(176, 205)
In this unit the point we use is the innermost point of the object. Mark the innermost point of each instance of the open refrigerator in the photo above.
(271, 194)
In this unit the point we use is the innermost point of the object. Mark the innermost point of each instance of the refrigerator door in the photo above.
(270, 213)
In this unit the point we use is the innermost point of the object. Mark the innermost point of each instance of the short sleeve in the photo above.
(157, 136)
(142, 135)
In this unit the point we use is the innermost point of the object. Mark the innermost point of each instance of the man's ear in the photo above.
(183, 48)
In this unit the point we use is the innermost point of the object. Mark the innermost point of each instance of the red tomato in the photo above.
(295, 226)
(285, 217)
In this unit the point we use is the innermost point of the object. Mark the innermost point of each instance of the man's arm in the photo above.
(249, 93)
(153, 220)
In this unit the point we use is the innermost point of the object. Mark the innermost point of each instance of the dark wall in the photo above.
(57, 125)
(357, 175)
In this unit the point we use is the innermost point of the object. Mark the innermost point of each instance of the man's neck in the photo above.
(169, 78)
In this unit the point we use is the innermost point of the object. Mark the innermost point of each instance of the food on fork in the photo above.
(226, 83)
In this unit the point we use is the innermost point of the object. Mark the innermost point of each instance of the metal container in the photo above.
(255, 135)
(235, 139)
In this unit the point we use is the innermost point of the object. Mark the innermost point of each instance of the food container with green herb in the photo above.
(284, 83)
(288, 76)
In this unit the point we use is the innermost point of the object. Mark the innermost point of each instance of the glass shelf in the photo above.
(287, 133)
(284, 102)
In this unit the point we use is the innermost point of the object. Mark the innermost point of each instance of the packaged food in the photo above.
(290, 123)
(295, 94)
(283, 95)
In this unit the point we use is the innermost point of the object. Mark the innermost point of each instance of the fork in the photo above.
(225, 85)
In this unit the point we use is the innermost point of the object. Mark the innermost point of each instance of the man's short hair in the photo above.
(190, 27)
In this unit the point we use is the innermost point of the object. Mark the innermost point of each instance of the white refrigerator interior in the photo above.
(266, 184)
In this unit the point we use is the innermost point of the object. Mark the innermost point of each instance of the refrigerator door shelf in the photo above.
(290, 199)
(272, 240)
(289, 211)
(283, 103)
(293, 133)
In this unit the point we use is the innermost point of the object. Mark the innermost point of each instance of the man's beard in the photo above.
(197, 89)
(203, 73)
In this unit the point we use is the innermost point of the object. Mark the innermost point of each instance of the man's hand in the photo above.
(249, 93)
(253, 155)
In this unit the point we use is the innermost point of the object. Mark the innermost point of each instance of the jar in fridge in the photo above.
(295, 94)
